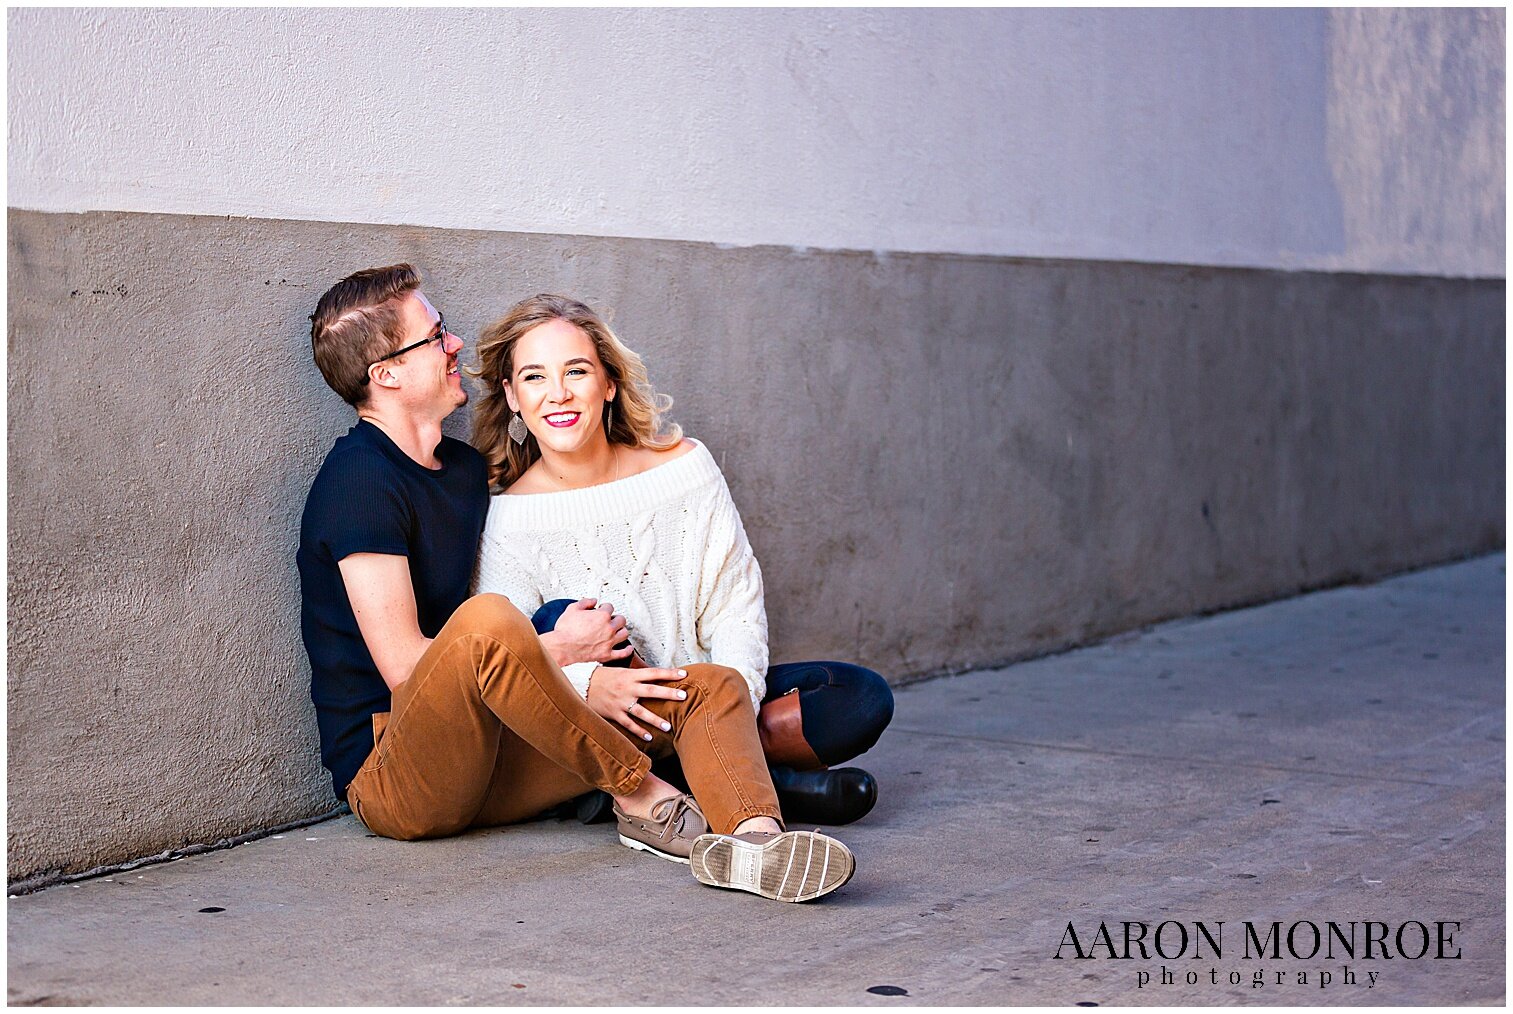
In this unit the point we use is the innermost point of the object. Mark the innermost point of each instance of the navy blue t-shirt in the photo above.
(371, 497)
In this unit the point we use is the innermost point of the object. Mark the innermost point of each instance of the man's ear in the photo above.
(381, 375)
(509, 396)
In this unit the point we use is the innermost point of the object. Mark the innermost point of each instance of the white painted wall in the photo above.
(1350, 140)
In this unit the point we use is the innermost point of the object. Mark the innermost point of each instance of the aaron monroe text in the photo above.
(1304, 940)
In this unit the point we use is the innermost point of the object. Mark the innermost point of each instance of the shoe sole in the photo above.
(641, 846)
(794, 866)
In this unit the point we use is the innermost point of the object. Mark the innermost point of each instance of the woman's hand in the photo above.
(615, 694)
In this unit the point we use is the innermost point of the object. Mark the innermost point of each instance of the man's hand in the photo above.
(587, 632)
(615, 694)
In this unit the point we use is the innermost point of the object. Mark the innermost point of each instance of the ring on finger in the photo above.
(630, 708)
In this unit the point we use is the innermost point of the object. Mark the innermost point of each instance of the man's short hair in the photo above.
(356, 323)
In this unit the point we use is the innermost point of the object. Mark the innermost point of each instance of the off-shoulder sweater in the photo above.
(665, 547)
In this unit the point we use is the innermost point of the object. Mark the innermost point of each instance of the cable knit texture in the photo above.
(665, 547)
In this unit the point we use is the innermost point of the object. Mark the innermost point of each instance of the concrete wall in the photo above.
(944, 457)
(942, 462)
(1354, 140)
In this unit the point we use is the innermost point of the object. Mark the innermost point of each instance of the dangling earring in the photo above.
(517, 429)
(609, 419)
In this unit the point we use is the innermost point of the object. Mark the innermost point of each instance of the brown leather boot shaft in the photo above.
(781, 727)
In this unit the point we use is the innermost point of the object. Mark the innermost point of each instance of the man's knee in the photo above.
(454, 657)
(489, 614)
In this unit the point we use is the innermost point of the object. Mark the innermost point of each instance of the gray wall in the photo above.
(943, 461)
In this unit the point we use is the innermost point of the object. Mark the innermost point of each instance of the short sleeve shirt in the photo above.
(371, 497)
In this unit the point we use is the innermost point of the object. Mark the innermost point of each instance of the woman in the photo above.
(596, 497)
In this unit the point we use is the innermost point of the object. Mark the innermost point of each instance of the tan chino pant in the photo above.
(488, 731)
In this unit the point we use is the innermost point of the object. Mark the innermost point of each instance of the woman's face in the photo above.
(559, 387)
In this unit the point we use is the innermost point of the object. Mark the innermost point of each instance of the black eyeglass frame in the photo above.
(441, 332)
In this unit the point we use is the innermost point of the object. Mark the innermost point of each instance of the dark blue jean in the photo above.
(844, 707)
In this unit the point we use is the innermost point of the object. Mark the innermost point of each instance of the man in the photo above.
(439, 712)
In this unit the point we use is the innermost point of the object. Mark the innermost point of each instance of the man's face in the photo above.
(430, 376)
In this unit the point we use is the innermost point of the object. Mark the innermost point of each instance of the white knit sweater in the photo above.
(665, 547)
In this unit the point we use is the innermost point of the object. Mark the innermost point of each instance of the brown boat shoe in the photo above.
(670, 830)
(791, 866)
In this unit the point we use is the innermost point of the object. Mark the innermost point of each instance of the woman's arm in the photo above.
(732, 613)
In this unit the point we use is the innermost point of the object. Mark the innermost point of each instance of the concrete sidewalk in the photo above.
(1335, 757)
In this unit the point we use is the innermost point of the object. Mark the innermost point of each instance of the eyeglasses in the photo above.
(440, 332)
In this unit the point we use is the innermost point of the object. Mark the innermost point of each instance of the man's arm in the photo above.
(383, 600)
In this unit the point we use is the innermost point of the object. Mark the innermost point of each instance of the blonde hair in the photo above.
(636, 412)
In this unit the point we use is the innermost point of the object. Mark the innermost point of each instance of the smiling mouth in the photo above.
(562, 419)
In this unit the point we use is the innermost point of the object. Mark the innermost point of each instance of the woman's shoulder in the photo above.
(644, 459)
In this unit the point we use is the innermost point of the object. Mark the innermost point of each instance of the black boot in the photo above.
(831, 796)
(594, 807)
